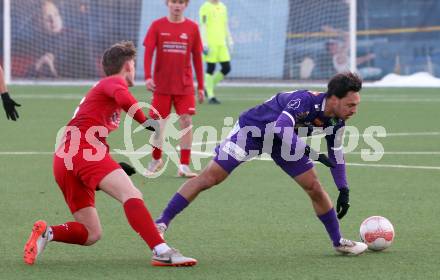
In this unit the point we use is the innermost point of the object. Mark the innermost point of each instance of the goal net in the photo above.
(63, 40)
(317, 39)
(279, 39)
(60, 40)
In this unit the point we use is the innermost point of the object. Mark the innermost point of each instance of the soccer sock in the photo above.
(185, 156)
(157, 153)
(161, 248)
(49, 233)
(174, 207)
(209, 85)
(331, 224)
(70, 232)
(218, 77)
(140, 220)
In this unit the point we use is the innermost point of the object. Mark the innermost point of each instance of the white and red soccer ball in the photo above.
(377, 232)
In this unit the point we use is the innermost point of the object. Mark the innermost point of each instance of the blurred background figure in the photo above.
(61, 51)
(51, 40)
(217, 44)
(338, 54)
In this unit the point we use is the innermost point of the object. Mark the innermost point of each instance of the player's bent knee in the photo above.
(134, 193)
(226, 68)
(185, 121)
(225, 71)
(210, 68)
(314, 189)
(93, 235)
(93, 238)
(210, 180)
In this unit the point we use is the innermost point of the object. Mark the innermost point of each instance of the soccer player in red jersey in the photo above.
(82, 164)
(176, 40)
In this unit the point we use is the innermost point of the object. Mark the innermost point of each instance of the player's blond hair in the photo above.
(115, 57)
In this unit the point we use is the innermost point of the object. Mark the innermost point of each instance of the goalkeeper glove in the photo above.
(127, 168)
(9, 106)
(322, 158)
(342, 204)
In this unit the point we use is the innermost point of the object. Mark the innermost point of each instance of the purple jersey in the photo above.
(304, 106)
(306, 109)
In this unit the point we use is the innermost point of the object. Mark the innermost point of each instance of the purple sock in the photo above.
(331, 224)
(174, 207)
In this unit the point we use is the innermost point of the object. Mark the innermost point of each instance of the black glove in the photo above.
(9, 106)
(150, 128)
(127, 168)
(151, 125)
(342, 204)
(322, 158)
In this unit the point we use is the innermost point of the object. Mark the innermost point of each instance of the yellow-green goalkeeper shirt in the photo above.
(213, 22)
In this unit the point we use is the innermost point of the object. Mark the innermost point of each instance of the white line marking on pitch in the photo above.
(266, 158)
(365, 99)
(417, 153)
(49, 96)
(395, 166)
(28, 153)
(391, 134)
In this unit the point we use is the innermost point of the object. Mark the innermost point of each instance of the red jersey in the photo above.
(175, 43)
(103, 104)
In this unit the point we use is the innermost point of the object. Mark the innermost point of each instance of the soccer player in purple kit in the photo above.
(277, 122)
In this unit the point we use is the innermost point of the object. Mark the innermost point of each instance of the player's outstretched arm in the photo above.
(126, 101)
(198, 65)
(150, 44)
(336, 154)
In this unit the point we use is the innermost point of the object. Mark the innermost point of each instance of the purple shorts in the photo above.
(240, 146)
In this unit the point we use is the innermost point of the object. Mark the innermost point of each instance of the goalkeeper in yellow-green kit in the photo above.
(217, 44)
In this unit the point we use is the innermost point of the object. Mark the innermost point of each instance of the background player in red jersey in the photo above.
(82, 163)
(175, 39)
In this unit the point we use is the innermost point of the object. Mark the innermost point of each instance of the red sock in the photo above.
(185, 155)
(157, 153)
(70, 232)
(140, 220)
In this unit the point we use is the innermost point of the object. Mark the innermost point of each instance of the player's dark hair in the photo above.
(115, 57)
(343, 83)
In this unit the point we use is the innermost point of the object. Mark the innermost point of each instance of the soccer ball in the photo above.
(377, 232)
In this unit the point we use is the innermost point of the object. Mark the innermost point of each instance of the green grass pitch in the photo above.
(256, 225)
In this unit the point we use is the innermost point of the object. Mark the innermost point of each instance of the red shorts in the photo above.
(79, 184)
(183, 104)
